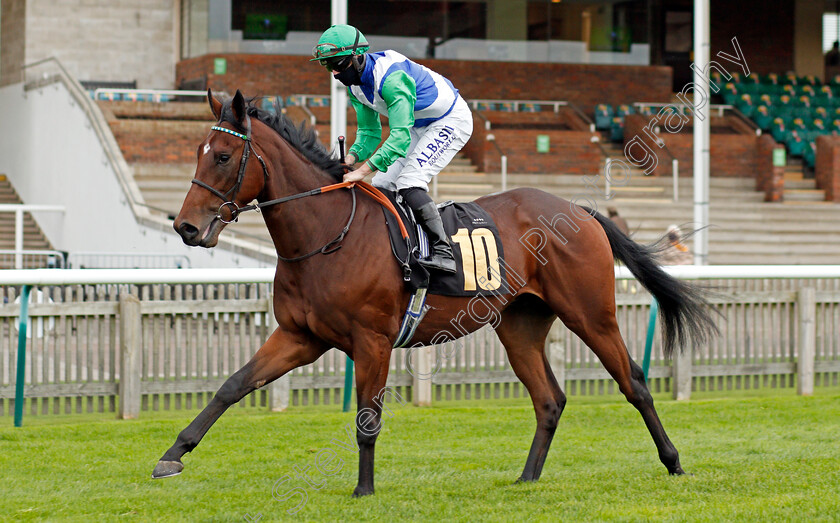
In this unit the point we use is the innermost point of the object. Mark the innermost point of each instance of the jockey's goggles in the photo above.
(338, 63)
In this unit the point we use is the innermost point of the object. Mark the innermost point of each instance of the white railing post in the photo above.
(555, 350)
(806, 302)
(131, 356)
(681, 385)
(19, 238)
(607, 190)
(279, 390)
(504, 172)
(421, 378)
(675, 169)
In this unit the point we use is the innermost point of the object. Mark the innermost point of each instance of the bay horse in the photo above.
(347, 291)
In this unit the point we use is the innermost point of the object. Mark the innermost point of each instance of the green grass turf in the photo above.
(764, 458)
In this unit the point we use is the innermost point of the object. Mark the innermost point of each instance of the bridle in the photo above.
(230, 196)
(235, 210)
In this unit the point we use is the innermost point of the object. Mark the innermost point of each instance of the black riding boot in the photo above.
(441, 257)
(427, 215)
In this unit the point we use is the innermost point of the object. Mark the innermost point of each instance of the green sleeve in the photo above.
(368, 131)
(400, 93)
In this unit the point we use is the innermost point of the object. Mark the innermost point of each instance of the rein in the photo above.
(235, 210)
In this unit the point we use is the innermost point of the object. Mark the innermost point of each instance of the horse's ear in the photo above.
(215, 105)
(238, 106)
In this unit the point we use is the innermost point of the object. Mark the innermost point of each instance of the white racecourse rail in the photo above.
(266, 275)
(780, 327)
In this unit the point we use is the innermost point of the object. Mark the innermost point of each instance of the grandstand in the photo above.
(547, 113)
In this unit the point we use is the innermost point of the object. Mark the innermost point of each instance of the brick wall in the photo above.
(733, 153)
(570, 152)
(828, 167)
(585, 85)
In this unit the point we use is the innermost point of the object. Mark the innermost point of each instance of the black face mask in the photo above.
(349, 77)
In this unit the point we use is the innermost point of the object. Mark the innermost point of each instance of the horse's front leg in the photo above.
(371, 358)
(282, 352)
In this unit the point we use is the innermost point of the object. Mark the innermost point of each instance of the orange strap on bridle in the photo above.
(374, 193)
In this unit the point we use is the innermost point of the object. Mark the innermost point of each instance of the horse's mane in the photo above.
(302, 138)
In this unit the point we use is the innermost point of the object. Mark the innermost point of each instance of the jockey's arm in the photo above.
(368, 131)
(400, 93)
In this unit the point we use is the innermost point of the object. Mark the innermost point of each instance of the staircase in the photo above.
(33, 237)
(745, 230)
(798, 188)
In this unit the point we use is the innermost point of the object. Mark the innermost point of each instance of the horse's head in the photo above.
(225, 179)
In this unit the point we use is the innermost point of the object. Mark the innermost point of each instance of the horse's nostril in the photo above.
(188, 231)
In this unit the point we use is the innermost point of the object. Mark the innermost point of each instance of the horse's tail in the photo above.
(683, 307)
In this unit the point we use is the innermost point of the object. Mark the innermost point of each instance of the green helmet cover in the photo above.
(340, 40)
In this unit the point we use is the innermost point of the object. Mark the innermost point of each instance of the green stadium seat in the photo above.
(617, 129)
(745, 105)
(729, 93)
(820, 112)
(779, 129)
(795, 143)
(507, 107)
(809, 80)
(623, 110)
(762, 117)
(603, 116)
(771, 79)
(530, 108)
(809, 155)
(821, 100)
(818, 128)
(798, 124)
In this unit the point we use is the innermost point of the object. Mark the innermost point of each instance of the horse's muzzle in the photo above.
(189, 233)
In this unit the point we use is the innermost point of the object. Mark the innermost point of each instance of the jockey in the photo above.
(429, 123)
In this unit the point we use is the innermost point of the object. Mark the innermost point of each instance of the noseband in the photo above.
(229, 197)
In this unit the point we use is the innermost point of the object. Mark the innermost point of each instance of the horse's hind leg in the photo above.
(281, 353)
(522, 330)
(592, 318)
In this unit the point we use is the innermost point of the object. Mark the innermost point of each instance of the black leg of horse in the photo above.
(280, 354)
(602, 336)
(523, 330)
(668, 454)
(371, 362)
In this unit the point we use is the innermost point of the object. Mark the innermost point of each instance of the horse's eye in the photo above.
(223, 158)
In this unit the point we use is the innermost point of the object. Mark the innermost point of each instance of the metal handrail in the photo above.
(720, 108)
(555, 104)
(168, 92)
(19, 209)
(58, 256)
(492, 139)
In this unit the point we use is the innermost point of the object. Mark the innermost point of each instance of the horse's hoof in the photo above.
(165, 469)
(520, 479)
(677, 472)
(359, 492)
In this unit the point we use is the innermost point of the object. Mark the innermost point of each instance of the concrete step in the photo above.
(804, 195)
(800, 184)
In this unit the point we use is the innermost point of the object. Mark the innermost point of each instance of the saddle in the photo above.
(478, 250)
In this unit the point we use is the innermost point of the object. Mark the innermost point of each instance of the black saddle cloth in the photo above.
(475, 241)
